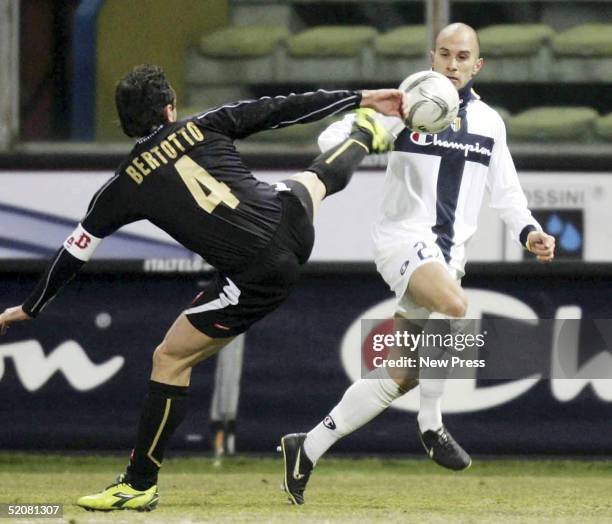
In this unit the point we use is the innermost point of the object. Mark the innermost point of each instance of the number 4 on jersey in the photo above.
(196, 178)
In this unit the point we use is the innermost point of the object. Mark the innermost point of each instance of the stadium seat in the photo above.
(400, 52)
(516, 52)
(603, 127)
(241, 55)
(583, 53)
(553, 123)
(199, 98)
(337, 54)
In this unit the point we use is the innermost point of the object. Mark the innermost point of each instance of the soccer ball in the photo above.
(433, 102)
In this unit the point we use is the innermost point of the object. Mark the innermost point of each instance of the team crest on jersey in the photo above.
(420, 139)
(456, 125)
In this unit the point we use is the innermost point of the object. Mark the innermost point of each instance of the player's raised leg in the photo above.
(164, 409)
(332, 170)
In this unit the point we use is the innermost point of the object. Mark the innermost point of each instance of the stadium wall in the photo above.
(151, 31)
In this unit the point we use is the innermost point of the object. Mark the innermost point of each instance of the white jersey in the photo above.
(435, 184)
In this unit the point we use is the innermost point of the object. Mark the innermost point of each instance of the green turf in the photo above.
(341, 490)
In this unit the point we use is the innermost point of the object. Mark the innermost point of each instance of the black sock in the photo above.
(336, 166)
(164, 409)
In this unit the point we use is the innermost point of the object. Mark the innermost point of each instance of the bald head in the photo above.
(457, 53)
(459, 32)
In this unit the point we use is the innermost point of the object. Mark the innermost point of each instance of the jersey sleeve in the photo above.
(111, 207)
(507, 196)
(108, 210)
(241, 119)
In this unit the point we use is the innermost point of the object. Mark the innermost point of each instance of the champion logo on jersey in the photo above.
(420, 139)
(424, 139)
(329, 423)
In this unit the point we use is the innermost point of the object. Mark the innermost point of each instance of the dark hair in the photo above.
(140, 97)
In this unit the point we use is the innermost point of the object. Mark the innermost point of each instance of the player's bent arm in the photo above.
(241, 119)
(76, 251)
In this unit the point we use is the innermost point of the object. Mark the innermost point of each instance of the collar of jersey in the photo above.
(145, 138)
(466, 94)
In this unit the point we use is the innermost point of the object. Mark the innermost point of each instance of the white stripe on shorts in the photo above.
(228, 297)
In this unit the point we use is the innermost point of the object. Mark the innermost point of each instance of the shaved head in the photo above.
(459, 32)
(457, 54)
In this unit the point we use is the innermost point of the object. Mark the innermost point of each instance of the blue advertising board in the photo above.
(75, 377)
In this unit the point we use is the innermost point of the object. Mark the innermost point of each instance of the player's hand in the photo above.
(541, 245)
(10, 315)
(391, 102)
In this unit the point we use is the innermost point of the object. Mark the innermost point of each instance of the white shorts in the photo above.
(397, 262)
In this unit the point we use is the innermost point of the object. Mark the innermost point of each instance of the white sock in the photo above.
(364, 400)
(430, 414)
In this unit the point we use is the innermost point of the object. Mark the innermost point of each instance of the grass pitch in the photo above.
(340, 490)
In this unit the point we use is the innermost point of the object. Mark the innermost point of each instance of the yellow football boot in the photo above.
(120, 495)
(369, 120)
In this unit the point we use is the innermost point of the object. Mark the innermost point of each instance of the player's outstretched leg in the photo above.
(297, 466)
(444, 450)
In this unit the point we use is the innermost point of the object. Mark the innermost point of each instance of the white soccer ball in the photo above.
(433, 102)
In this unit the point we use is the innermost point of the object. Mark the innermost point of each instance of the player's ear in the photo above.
(170, 113)
(432, 54)
(478, 66)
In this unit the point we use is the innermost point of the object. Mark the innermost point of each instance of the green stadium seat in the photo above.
(240, 55)
(407, 40)
(553, 123)
(584, 53)
(400, 52)
(330, 41)
(242, 42)
(603, 127)
(516, 52)
(586, 40)
(514, 39)
(337, 54)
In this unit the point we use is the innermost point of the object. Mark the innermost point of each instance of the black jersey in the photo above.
(188, 179)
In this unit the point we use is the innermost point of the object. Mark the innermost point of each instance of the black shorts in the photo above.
(233, 301)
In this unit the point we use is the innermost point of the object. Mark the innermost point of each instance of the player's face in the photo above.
(457, 57)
